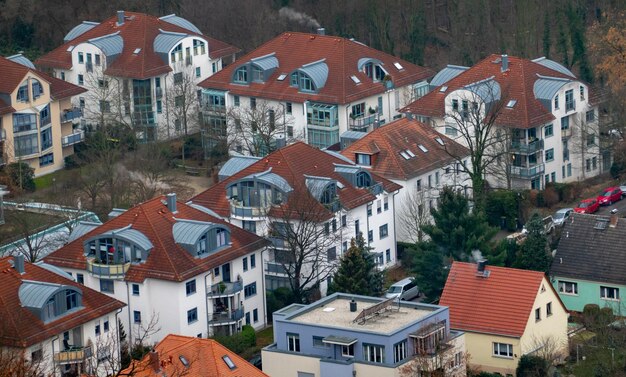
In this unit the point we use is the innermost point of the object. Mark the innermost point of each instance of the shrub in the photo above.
(239, 342)
(550, 196)
(72, 162)
(22, 176)
(502, 204)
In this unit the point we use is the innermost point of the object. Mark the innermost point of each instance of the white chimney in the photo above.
(171, 202)
(505, 63)
(120, 17)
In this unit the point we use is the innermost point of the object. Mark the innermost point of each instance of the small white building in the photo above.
(179, 269)
(324, 198)
(545, 118)
(54, 324)
(418, 158)
(139, 69)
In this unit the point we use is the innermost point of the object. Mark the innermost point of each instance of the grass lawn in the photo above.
(265, 337)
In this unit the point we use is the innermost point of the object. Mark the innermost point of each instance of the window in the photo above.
(289, 108)
(236, 101)
(502, 349)
(569, 100)
(386, 203)
(80, 278)
(609, 293)
(135, 289)
(47, 159)
(369, 209)
(249, 290)
(437, 178)
(216, 271)
(388, 255)
(81, 79)
(553, 175)
(548, 131)
(214, 67)
(455, 105)
(37, 355)
(106, 326)
(192, 315)
(344, 221)
(306, 84)
(255, 315)
(588, 164)
(37, 89)
(590, 116)
(364, 159)
(430, 181)
(103, 84)
(347, 351)
(81, 58)
(383, 231)
(159, 106)
(594, 163)
(334, 225)
(178, 78)
(581, 90)
(357, 230)
(252, 103)
(591, 139)
(370, 236)
(556, 102)
(374, 353)
(245, 264)
(568, 287)
(379, 207)
(537, 314)
(198, 72)
(399, 351)
(97, 329)
(241, 75)
(252, 261)
(564, 123)
(332, 253)
(293, 342)
(106, 286)
(250, 226)
(62, 75)
(344, 247)
(548, 309)
(190, 287)
(97, 59)
(136, 316)
(105, 106)
(318, 342)
(418, 185)
(549, 154)
(569, 170)
(450, 131)
(327, 228)
(179, 101)
(358, 110)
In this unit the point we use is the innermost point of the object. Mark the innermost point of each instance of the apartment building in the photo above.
(140, 70)
(178, 269)
(58, 326)
(36, 116)
(415, 156)
(348, 335)
(308, 87)
(545, 119)
(310, 203)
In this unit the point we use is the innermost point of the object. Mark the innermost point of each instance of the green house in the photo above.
(589, 266)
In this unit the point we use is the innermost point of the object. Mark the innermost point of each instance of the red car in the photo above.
(609, 196)
(587, 206)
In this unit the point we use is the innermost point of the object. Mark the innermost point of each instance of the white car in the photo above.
(405, 289)
(561, 215)
(622, 187)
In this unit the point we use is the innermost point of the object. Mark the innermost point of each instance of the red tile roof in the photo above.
(22, 328)
(516, 83)
(293, 50)
(138, 31)
(292, 163)
(167, 260)
(386, 143)
(499, 304)
(204, 357)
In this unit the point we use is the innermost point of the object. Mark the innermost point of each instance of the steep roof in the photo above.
(294, 163)
(585, 252)
(499, 304)
(388, 141)
(516, 83)
(204, 357)
(167, 260)
(20, 327)
(138, 31)
(341, 56)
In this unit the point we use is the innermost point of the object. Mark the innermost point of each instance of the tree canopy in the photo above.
(533, 253)
(357, 272)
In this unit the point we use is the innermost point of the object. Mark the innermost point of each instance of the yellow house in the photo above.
(505, 313)
(36, 116)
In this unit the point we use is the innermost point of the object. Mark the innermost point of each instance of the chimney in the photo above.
(480, 268)
(18, 263)
(321, 31)
(154, 360)
(171, 202)
(505, 63)
(614, 220)
(353, 306)
(120, 17)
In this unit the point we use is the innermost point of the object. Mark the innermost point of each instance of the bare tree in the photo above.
(414, 214)
(500, 169)
(443, 360)
(584, 142)
(181, 105)
(29, 241)
(15, 363)
(149, 171)
(107, 102)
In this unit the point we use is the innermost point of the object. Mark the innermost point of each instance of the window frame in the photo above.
(562, 287)
(604, 290)
(293, 342)
(190, 287)
(497, 351)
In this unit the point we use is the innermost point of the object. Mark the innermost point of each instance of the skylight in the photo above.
(137, 50)
(398, 65)
(423, 148)
(355, 79)
(511, 103)
(184, 360)
(443, 89)
(406, 156)
(340, 185)
(439, 140)
(281, 77)
(70, 48)
(410, 153)
(229, 362)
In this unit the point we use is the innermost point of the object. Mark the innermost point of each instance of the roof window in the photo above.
(443, 89)
(355, 79)
(511, 103)
(410, 153)
(398, 66)
(281, 77)
(423, 148)
(229, 362)
(439, 140)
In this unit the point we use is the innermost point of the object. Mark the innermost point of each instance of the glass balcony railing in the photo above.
(527, 172)
(74, 138)
(70, 115)
(521, 146)
(225, 288)
(238, 209)
(226, 316)
(73, 355)
(363, 121)
(112, 271)
(376, 189)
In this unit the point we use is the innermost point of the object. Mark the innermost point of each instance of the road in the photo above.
(620, 206)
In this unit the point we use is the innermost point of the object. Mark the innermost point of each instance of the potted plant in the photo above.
(372, 110)
(388, 82)
(221, 286)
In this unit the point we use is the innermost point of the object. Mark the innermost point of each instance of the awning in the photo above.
(340, 340)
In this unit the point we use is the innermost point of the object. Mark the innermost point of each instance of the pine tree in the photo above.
(427, 263)
(533, 254)
(357, 272)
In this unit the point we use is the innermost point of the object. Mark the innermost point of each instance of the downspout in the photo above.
(206, 302)
(263, 287)
(130, 324)
(395, 237)
(119, 343)
(54, 367)
(306, 122)
(167, 106)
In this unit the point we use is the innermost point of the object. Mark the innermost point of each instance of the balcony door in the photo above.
(226, 272)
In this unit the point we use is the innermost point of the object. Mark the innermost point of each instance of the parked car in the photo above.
(609, 196)
(548, 226)
(561, 215)
(623, 188)
(405, 289)
(587, 206)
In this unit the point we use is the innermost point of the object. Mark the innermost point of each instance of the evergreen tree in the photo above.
(456, 231)
(532, 366)
(427, 263)
(357, 272)
(547, 36)
(533, 253)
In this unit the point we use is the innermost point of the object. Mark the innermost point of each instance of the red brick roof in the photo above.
(293, 50)
(292, 163)
(499, 304)
(22, 328)
(203, 355)
(386, 143)
(167, 260)
(138, 31)
(516, 83)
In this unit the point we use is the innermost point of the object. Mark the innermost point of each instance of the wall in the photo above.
(480, 349)
(588, 293)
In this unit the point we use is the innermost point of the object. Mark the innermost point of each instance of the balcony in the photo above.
(238, 209)
(520, 146)
(376, 189)
(363, 122)
(278, 242)
(89, 66)
(70, 115)
(566, 133)
(527, 172)
(110, 271)
(73, 355)
(275, 268)
(74, 138)
(225, 289)
(225, 317)
(333, 206)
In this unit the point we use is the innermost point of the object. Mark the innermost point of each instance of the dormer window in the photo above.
(363, 179)
(293, 80)
(257, 74)
(37, 88)
(177, 53)
(198, 47)
(329, 194)
(374, 71)
(49, 301)
(22, 92)
(200, 238)
(364, 159)
(241, 75)
(118, 246)
(310, 77)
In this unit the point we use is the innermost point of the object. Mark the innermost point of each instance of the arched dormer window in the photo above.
(363, 179)
(198, 47)
(177, 53)
(310, 77)
(118, 246)
(373, 68)
(22, 92)
(200, 238)
(37, 88)
(241, 75)
(329, 194)
(258, 190)
(49, 301)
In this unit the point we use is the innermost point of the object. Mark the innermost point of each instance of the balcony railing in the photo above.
(108, 270)
(159, 92)
(74, 138)
(73, 355)
(275, 268)
(363, 122)
(566, 133)
(527, 172)
(520, 146)
(226, 317)
(376, 189)
(70, 115)
(225, 288)
(238, 209)
(278, 242)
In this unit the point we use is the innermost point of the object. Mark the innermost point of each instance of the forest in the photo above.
(427, 32)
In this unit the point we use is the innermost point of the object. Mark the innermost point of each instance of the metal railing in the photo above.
(225, 288)
(226, 317)
(108, 270)
(238, 209)
(376, 188)
(69, 115)
(73, 355)
(527, 172)
(363, 122)
(526, 148)
(566, 132)
(73, 138)
(276, 268)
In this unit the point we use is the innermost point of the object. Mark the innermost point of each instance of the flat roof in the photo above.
(336, 313)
